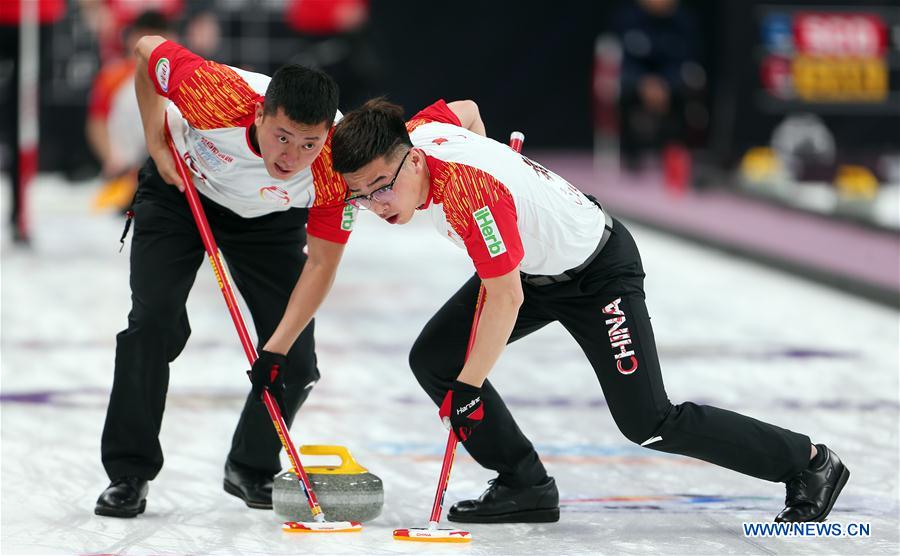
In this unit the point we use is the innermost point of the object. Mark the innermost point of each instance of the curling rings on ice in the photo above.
(346, 492)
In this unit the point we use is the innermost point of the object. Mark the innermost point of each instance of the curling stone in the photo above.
(346, 492)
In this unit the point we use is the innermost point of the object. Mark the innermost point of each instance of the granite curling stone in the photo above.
(346, 492)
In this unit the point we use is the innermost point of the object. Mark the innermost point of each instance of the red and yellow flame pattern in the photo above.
(463, 189)
(214, 96)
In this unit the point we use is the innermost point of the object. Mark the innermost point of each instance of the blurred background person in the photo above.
(201, 29)
(109, 19)
(660, 54)
(332, 35)
(112, 127)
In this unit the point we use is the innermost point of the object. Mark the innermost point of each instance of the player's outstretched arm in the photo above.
(503, 298)
(153, 112)
(462, 408)
(313, 285)
(468, 114)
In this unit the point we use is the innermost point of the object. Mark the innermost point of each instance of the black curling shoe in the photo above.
(504, 504)
(812, 493)
(251, 486)
(124, 497)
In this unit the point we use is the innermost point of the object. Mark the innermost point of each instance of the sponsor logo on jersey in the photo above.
(207, 152)
(162, 74)
(439, 140)
(489, 232)
(348, 218)
(227, 159)
(274, 193)
(620, 338)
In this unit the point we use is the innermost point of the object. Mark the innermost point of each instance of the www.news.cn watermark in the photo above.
(828, 530)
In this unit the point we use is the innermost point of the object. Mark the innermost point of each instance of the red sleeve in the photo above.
(209, 95)
(437, 112)
(481, 210)
(332, 222)
(330, 218)
(168, 66)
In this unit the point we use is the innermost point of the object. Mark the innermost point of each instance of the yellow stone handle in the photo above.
(348, 465)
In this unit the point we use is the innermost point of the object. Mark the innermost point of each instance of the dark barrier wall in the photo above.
(527, 64)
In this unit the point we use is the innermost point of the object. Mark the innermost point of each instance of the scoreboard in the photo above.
(838, 62)
(822, 56)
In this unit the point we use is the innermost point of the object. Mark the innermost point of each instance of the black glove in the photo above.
(268, 372)
(462, 409)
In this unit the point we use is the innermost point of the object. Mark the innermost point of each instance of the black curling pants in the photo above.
(264, 256)
(603, 309)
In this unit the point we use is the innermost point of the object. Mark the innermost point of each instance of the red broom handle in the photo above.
(515, 142)
(452, 442)
(212, 250)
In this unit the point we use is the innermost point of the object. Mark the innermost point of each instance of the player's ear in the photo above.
(417, 158)
(258, 116)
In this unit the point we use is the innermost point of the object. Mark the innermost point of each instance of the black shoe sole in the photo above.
(233, 490)
(845, 476)
(108, 511)
(547, 515)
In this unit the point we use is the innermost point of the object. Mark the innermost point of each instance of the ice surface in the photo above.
(730, 333)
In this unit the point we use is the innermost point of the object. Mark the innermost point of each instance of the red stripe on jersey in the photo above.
(481, 210)
(215, 96)
(330, 185)
(250, 146)
(328, 218)
(209, 95)
(437, 112)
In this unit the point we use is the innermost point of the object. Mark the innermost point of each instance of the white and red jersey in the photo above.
(112, 101)
(212, 108)
(504, 209)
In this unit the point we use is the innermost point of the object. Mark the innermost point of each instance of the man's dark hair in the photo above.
(306, 96)
(373, 130)
(150, 21)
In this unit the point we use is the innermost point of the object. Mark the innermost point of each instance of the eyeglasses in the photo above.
(384, 194)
